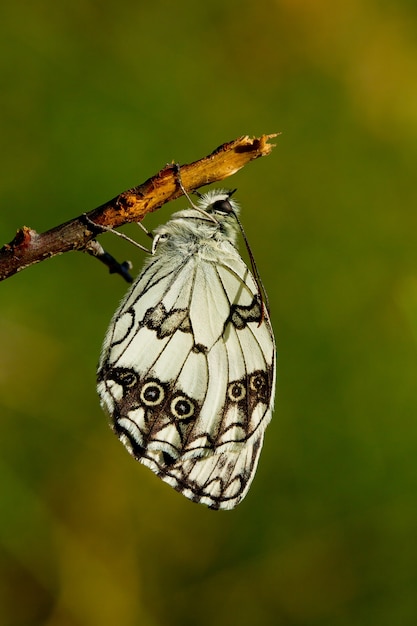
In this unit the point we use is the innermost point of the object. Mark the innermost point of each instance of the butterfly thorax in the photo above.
(189, 232)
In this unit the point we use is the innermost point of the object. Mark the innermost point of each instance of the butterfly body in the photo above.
(187, 371)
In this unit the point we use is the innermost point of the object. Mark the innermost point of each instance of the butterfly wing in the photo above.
(187, 374)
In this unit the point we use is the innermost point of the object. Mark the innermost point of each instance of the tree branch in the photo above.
(29, 247)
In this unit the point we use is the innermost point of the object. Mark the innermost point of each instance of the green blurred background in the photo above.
(98, 96)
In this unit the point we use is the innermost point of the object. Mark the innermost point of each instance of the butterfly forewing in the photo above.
(187, 371)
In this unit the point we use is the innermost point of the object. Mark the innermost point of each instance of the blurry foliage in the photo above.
(96, 97)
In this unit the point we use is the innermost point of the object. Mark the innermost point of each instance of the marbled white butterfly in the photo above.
(187, 370)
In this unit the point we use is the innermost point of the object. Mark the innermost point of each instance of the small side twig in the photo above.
(29, 247)
(94, 248)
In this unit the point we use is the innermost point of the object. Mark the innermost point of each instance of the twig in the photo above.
(29, 247)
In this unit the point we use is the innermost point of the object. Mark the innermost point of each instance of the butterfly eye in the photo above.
(152, 393)
(222, 206)
(182, 407)
(236, 392)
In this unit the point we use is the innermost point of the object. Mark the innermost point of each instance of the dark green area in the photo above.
(98, 96)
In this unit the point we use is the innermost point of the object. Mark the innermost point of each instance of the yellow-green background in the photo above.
(96, 97)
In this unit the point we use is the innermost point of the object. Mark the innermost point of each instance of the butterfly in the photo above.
(187, 369)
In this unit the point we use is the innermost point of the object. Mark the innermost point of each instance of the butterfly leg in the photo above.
(145, 230)
(177, 169)
(108, 229)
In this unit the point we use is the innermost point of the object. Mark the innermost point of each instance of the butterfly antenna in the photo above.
(261, 289)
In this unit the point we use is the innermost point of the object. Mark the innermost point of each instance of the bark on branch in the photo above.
(29, 247)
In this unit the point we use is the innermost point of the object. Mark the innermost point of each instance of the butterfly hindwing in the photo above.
(187, 372)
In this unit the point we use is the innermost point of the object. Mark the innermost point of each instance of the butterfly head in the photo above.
(218, 203)
(218, 206)
(214, 217)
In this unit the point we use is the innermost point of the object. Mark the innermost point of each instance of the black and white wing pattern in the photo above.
(187, 371)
